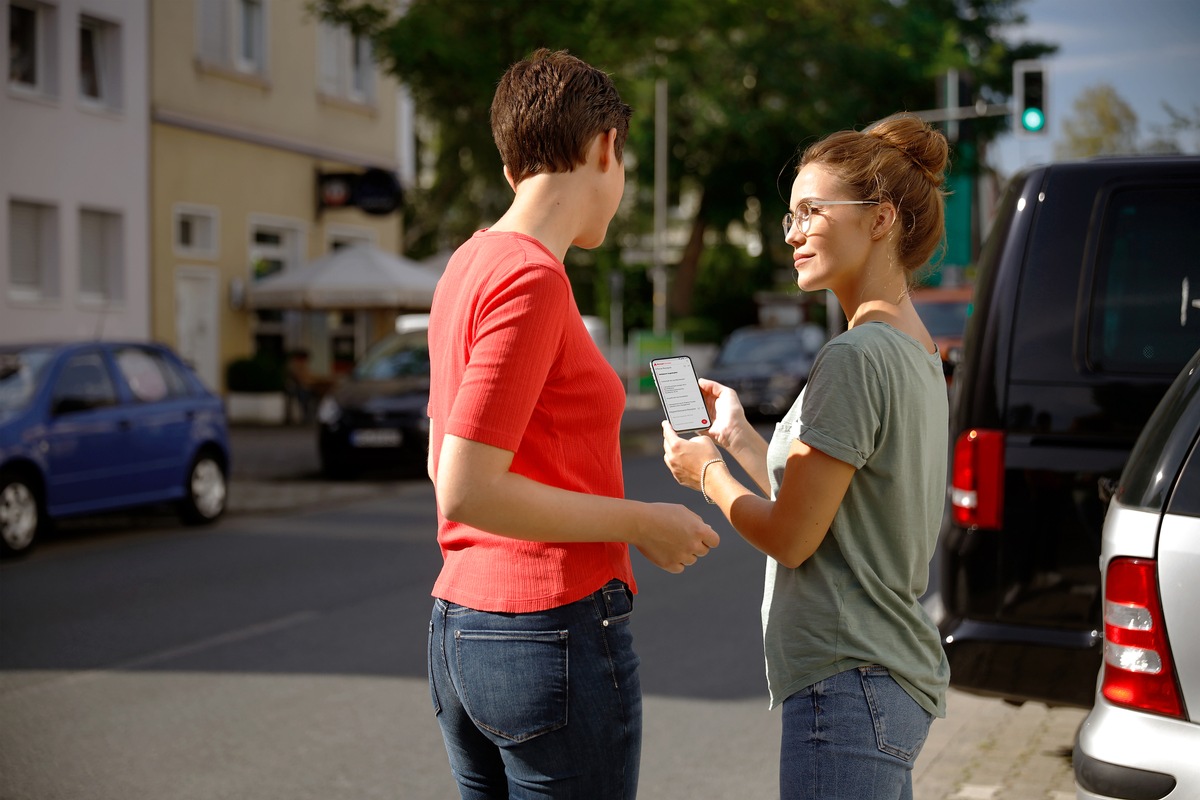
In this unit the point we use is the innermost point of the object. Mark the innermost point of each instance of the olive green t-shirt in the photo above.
(875, 399)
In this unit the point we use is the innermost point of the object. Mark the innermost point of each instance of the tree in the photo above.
(1101, 124)
(1181, 134)
(749, 82)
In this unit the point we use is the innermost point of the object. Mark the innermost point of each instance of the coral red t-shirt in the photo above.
(514, 367)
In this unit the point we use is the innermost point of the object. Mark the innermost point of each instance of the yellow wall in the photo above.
(251, 147)
(286, 102)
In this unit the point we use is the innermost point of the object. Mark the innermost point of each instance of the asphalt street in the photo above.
(261, 685)
(984, 749)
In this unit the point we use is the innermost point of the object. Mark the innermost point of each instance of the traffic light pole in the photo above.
(980, 109)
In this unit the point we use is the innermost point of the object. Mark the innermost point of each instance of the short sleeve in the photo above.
(516, 337)
(843, 405)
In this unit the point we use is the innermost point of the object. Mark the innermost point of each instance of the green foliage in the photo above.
(257, 374)
(750, 83)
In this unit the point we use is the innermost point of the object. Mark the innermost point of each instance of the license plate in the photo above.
(376, 437)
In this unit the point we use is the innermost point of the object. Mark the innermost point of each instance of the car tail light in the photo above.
(977, 479)
(1138, 671)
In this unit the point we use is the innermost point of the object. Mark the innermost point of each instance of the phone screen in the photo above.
(679, 391)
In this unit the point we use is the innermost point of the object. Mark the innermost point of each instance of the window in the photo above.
(347, 67)
(1146, 305)
(196, 231)
(232, 33)
(339, 237)
(150, 377)
(32, 47)
(84, 383)
(99, 63)
(32, 251)
(273, 248)
(101, 256)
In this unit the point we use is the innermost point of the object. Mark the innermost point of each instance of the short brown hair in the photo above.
(548, 108)
(900, 159)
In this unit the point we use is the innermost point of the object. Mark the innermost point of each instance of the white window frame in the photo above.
(106, 44)
(209, 218)
(291, 252)
(338, 236)
(45, 245)
(221, 35)
(346, 68)
(109, 253)
(45, 57)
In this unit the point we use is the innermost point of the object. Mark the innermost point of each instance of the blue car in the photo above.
(87, 427)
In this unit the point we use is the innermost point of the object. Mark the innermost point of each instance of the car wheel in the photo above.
(20, 514)
(205, 492)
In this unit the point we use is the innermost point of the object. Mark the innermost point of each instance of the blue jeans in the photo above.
(852, 736)
(545, 704)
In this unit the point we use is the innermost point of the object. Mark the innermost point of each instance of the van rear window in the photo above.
(1146, 299)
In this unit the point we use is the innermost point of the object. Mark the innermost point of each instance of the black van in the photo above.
(1087, 305)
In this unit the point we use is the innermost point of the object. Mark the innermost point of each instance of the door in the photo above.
(196, 322)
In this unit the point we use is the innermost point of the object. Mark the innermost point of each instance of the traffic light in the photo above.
(1029, 92)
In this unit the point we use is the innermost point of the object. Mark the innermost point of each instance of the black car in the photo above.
(1087, 305)
(376, 418)
(767, 367)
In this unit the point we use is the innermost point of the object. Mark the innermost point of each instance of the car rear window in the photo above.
(1166, 442)
(1146, 299)
(150, 377)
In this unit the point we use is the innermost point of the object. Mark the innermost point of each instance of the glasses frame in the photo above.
(803, 219)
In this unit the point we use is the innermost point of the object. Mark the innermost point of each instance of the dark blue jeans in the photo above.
(545, 704)
(852, 736)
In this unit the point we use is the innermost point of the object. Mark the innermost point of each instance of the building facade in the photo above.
(252, 101)
(74, 172)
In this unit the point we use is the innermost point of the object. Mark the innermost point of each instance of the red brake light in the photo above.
(1138, 670)
(977, 479)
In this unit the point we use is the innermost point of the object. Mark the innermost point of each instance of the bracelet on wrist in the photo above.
(703, 474)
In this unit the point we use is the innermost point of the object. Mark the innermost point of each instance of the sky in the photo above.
(1147, 50)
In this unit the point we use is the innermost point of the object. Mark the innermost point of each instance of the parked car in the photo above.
(1084, 312)
(767, 367)
(376, 417)
(945, 310)
(98, 426)
(1142, 736)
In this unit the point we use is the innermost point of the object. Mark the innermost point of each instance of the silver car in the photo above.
(1142, 737)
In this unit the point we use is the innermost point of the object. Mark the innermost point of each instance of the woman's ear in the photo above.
(508, 176)
(884, 220)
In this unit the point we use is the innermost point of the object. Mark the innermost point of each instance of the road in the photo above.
(281, 655)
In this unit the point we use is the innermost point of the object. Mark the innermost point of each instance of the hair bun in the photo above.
(924, 145)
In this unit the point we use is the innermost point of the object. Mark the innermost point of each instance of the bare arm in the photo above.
(475, 486)
(789, 528)
(734, 433)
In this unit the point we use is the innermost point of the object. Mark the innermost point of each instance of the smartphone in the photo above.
(679, 391)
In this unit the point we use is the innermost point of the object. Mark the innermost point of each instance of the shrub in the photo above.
(256, 374)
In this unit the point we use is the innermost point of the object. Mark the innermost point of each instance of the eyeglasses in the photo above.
(802, 216)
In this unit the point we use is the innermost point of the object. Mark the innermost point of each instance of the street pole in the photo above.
(659, 271)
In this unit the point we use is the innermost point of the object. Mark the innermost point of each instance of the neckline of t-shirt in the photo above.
(935, 356)
(523, 236)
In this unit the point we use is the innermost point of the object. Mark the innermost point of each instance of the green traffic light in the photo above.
(1033, 119)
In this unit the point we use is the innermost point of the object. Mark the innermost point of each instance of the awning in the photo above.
(362, 276)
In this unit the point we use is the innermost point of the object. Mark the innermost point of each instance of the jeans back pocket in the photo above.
(513, 684)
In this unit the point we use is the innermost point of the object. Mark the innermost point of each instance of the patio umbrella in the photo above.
(362, 276)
